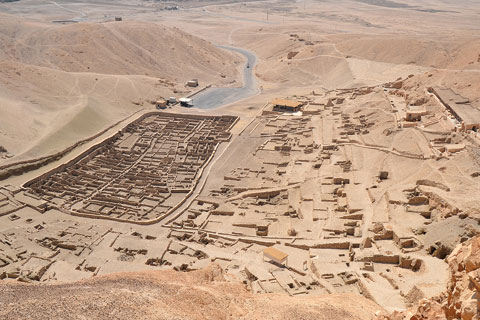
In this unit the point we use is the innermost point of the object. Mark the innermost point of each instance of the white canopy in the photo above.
(185, 100)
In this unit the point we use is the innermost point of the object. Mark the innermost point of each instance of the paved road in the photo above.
(216, 97)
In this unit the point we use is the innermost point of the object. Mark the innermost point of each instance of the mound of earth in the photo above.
(200, 294)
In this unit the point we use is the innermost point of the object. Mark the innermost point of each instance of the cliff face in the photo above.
(169, 294)
(464, 286)
(461, 300)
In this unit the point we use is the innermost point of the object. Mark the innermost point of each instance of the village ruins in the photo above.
(240, 159)
(306, 198)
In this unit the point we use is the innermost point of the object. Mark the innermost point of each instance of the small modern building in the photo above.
(161, 104)
(275, 255)
(192, 83)
(186, 102)
(286, 105)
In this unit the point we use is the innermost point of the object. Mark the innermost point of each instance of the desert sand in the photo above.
(342, 181)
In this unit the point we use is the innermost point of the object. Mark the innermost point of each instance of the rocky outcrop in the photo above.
(464, 286)
(292, 54)
(461, 300)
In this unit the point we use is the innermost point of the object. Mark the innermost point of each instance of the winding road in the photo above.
(215, 97)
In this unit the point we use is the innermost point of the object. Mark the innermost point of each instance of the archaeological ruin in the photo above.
(326, 199)
(141, 173)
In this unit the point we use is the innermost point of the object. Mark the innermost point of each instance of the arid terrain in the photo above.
(328, 169)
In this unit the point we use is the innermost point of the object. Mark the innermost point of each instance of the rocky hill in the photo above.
(460, 300)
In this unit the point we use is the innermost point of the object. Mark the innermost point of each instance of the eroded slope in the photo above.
(63, 83)
(202, 294)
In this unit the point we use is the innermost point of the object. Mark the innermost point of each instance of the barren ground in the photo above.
(96, 181)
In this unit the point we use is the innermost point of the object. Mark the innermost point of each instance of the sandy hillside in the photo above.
(113, 48)
(302, 58)
(466, 83)
(332, 61)
(171, 295)
(337, 44)
(63, 83)
(448, 53)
